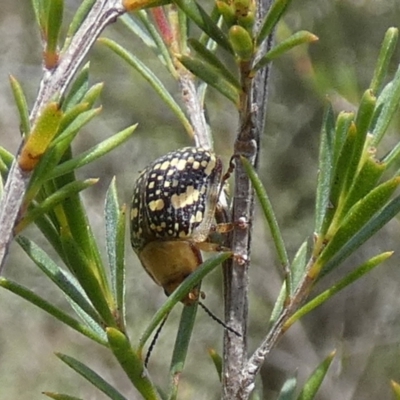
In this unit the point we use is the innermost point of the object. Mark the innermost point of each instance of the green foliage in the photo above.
(355, 194)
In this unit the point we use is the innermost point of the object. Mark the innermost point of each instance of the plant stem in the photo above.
(251, 123)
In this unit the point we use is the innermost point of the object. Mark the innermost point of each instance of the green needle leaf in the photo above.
(325, 166)
(36, 300)
(396, 389)
(313, 383)
(387, 49)
(54, 22)
(196, 13)
(268, 212)
(63, 279)
(94, 378)
(56, 198)
(213, 60)
(271, 19)
(92, 154)
(131, 364)
(182, 340)
(151, 78)
(288, 389)
(115, 244)
(359, 272)
(22, 105)
(212, 76)
(297, 39)
(358, 216)
(61, 396)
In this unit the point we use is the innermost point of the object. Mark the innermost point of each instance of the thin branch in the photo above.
(54, 83)
(202, 134)
(252, 123)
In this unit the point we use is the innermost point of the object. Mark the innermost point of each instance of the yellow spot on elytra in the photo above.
(164, 165)
(174, 161)
(185, 199)
(156, 205)
(157, 166)
(151, 185)
(196, 165)
(181, 165)
(167, 184)
(134, 213)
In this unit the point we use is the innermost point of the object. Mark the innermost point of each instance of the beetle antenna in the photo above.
(154, 340)
(215, 318)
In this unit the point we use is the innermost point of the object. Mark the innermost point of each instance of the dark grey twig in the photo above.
(251, 127)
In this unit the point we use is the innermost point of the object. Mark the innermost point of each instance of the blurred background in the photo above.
(362, 323)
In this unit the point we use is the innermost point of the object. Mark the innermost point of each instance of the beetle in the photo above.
(172, 213)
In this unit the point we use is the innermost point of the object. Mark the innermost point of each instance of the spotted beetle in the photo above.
(172, 213)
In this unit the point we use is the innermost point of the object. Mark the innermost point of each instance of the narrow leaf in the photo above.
(288, 389)
(66, 282)
(79, 17)
(91, 376)
(268, 212)
(179, 354)
(130, 22)
(271, 19)
(314, 382)
(196, 13)
(363, 121)
(368, 177)
(385, 55)
(22, 105)
(40, 137)
(279, 303)
(115, 241)
(359, 272)
(43, 304)
(86, 273)
(396, 389)
(56, 198)
(92, 154)
(54, 21)
(61, 396)
(386, 107)
(217, 361)
(93, 94)
(212, 59)
(297, 39)
(79, 87)
(373, 226)
(359, 215)
(211, 76)
(298, 265)
(151, 78)
(325, 165)
(131, 364)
